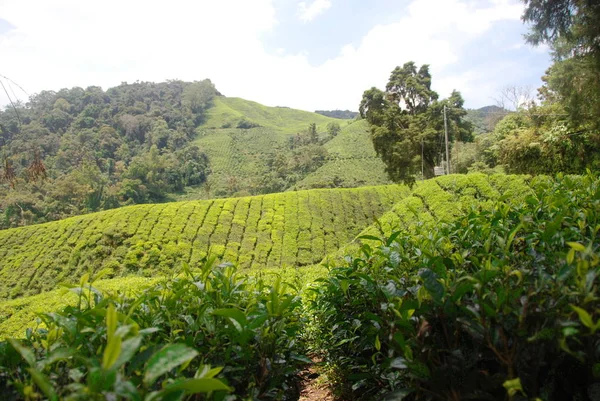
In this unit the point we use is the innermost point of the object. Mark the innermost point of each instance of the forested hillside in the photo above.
(92, 149)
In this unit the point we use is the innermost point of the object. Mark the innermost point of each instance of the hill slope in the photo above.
(290, 229)
(353, 161)
(227, 112)
(256, 231)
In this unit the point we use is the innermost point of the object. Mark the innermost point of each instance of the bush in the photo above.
(113, 346)
(498, 303)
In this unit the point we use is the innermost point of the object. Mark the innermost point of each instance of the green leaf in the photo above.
(111, 322)
(513, 386)
(169, 357)
(111, 352)
(570, 256)
(26, 353)
(432, 285)
(576, 246)
(371, 238)
(584, 317)
(128, 350)
(235, 315)
(377, 343)
(201, 385)
(43, 383)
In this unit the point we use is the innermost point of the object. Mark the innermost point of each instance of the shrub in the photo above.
(498, 303)
(118, 346)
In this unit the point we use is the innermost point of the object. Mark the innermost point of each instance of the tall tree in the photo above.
(572, 29)
(406, 122)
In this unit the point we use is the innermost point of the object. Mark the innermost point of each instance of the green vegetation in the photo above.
(83, 150)
(290, 229)
(228, 112)
(269, 159)
(352, 161)
(407, 123)
(496, 301)
(500, 269)
(163, 343)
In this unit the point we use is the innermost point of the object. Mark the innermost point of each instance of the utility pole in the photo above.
(446, 136)
(422, 161)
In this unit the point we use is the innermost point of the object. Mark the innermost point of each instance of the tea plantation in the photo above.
(289, 229)
(463, 287)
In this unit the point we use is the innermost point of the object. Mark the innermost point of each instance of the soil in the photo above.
(313, 389)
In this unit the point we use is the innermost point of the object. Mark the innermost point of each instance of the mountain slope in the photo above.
(270, 231)
(227, 112)
(352, 161)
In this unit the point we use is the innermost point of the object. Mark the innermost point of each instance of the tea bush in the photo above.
(499, 302)
(163, 343)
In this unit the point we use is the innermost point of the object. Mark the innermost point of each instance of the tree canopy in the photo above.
(406, 122)
(100, 149)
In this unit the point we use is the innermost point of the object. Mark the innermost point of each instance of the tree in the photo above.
(313, 135)
(333, 129)
(406, 122)
(198, 96)
(572, 29)
(571, 26)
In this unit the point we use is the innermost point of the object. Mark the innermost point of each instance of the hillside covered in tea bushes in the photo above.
(270, 231)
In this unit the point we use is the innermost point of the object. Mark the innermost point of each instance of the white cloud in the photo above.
(69, 43)
(308, 12)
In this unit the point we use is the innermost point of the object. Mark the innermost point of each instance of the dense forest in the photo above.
(100, 150)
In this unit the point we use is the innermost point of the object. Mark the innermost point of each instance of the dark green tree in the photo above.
(407, 122)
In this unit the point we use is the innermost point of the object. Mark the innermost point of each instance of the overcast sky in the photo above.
(311, 54)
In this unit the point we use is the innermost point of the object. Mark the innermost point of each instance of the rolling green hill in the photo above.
(240, 157)
(227, 112)
(289, 229)
(263, 233)
(353, 161)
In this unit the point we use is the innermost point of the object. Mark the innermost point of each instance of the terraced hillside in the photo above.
(262, 232)
(270, 231)
(353, 161)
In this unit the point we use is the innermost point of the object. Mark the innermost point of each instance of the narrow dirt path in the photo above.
(313, 388)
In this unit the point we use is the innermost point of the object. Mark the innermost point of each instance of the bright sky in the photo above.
(310, 54)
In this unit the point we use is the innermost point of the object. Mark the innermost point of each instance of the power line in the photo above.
(18, 86)
(11, 102)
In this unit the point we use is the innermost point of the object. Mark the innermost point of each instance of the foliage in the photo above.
(290, 229)
(343, 114)
(100, 150)
(496, 302)
(407, 122)
(118, 346)
(542, 141)
(571, 29)
(227, 112)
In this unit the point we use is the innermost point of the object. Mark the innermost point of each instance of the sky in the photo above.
(308, 54)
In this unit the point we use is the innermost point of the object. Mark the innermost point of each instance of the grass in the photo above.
(290, 229)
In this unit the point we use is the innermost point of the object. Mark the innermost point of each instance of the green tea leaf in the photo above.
(128, 350)
(584, 317)
(201, 385)
(43, 383)
(169, 357)
(513, 386)
(26, 353)
(576, 246)
(111, 322)
(111, 352)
